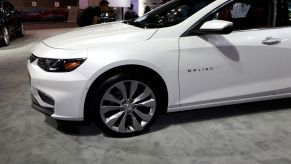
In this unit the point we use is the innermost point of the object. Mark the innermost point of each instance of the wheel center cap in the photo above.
(128, 106)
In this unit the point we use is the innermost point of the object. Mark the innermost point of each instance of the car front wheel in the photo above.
(127, 105)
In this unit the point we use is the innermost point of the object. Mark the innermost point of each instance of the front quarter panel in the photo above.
(160, 55)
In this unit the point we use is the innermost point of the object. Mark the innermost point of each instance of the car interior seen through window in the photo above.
(8, 7)
(247, 14)
(289, 11)
(170, 14)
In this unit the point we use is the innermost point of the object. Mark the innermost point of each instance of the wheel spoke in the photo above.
(148, 103)
(133, 87)
(142, 96)
(121, 127)
(105, 109)
(122, 89)
(112, 120)
(111, 98)
(121, 107)
(144, 117)
(136, 125)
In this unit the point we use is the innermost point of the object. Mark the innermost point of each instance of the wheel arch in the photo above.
(121, 69)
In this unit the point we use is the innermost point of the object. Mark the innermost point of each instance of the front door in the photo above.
(283, 83)
(240, 65)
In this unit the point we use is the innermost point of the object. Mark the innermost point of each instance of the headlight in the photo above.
(59, 65)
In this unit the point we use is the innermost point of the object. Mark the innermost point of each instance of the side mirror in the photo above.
(217, 27)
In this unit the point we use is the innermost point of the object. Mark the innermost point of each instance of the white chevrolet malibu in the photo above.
(184, 55)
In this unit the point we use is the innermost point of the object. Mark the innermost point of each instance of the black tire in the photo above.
(21, 31)
(143, 81)
(6, 37)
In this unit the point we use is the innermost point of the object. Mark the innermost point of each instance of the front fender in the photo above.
(161, 58)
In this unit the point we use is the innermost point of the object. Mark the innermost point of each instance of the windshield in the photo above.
(170, 14)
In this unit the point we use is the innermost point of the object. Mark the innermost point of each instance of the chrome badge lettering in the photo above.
(203, 69)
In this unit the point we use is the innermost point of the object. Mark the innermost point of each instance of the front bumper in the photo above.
(37, 106)
(58, 95)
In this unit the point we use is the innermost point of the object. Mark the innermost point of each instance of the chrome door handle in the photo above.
(271, 41)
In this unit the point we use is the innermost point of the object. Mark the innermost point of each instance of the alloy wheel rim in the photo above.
(6, 35)
(22, 29)
(128, 106)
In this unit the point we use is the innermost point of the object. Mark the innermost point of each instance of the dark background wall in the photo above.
(42, 3)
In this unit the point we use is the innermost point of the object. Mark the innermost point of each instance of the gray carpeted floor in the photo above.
(256, 133)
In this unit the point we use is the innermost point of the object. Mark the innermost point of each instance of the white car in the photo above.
(184, 55)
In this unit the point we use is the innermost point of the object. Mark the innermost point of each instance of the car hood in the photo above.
(95, 35)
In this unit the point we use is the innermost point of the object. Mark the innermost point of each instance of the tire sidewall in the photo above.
(100, 91)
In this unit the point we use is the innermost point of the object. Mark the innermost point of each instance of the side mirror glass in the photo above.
(217, 27)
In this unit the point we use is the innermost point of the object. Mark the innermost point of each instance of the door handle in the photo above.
(271, 41)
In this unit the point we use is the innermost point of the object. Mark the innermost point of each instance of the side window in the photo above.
(289, 11)
(179, 12)
(247, 14)
(1, 8)
(8, 7)
(283, 13)
(171, 13)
